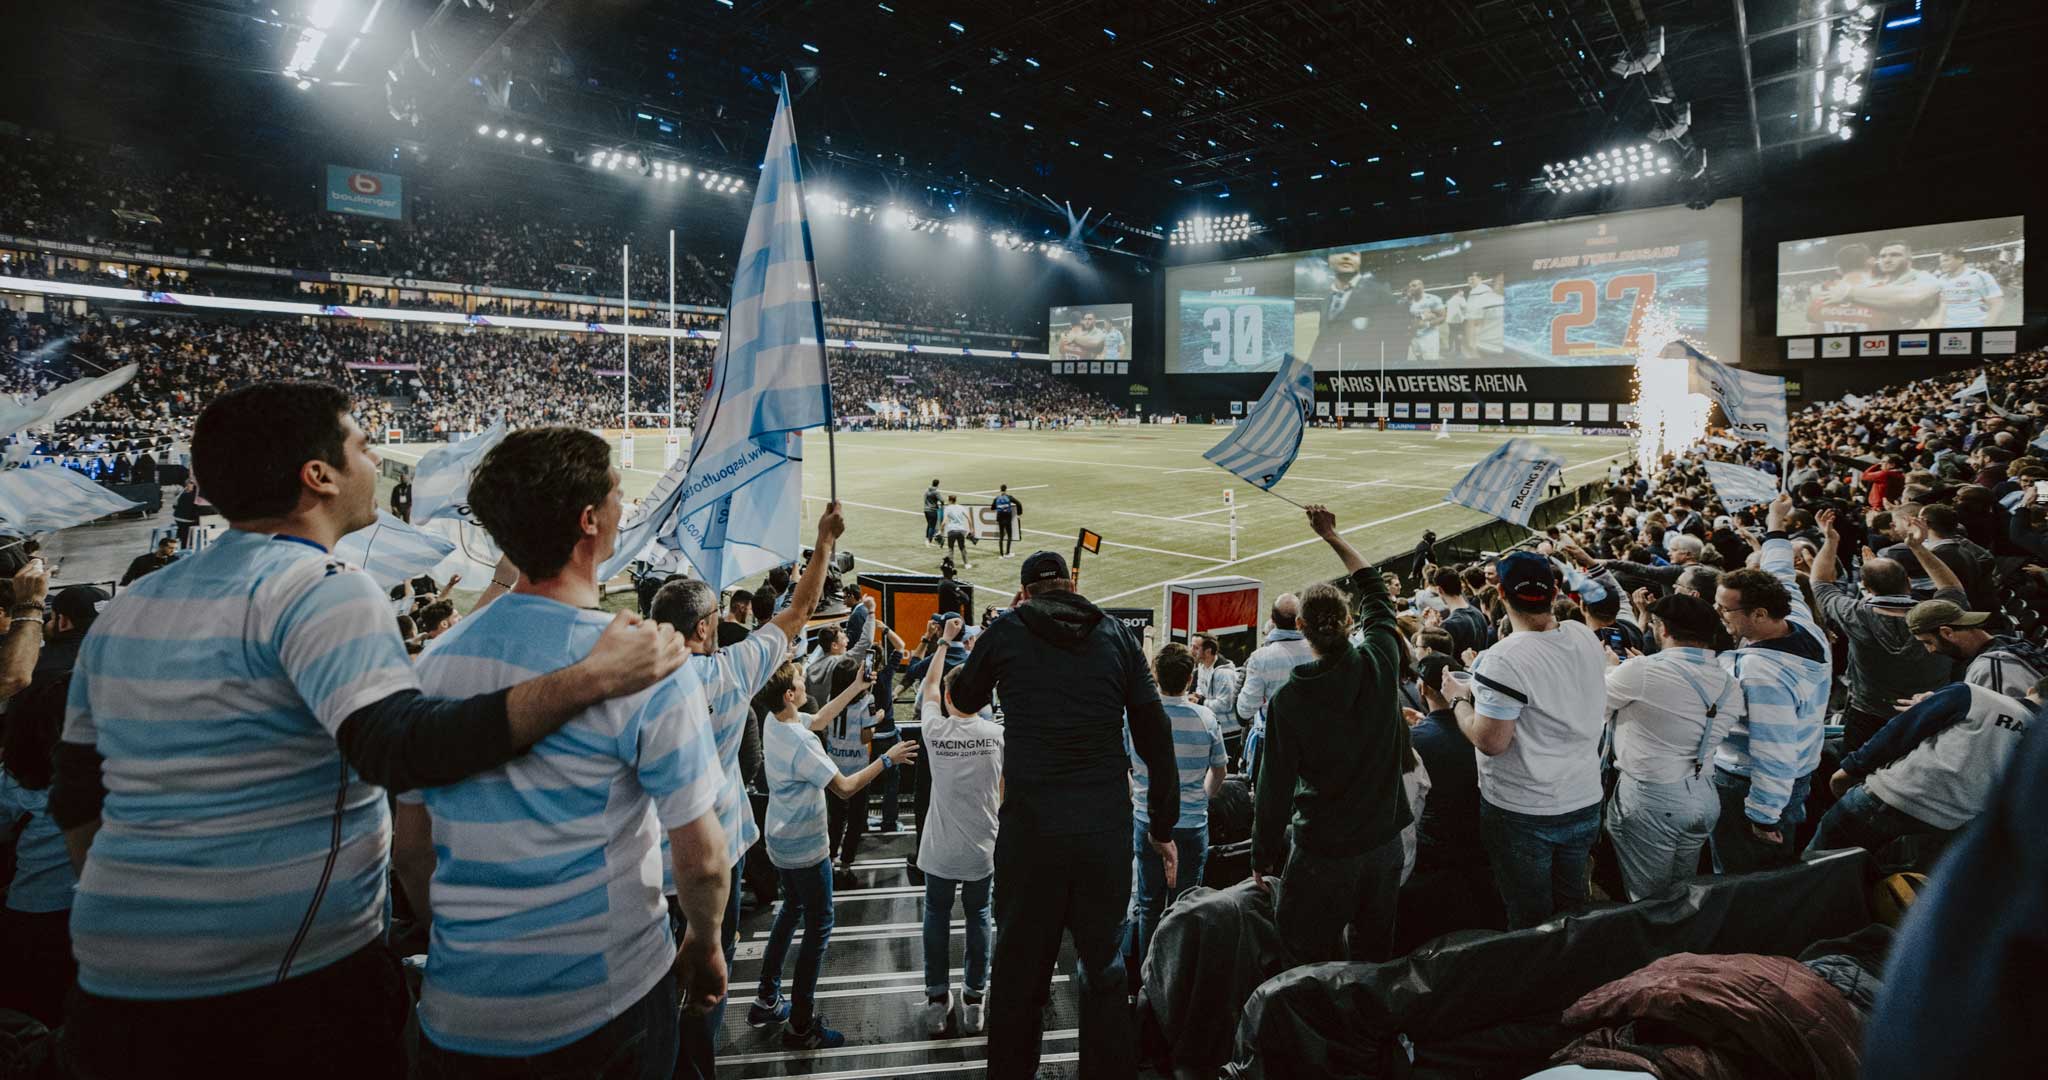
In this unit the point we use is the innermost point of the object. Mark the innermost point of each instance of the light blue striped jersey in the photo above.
(214, 688)
(798, 771)
(843, 735)
(1780, 740)
(42, 868)
(1197, 748)
(731, 677)
(548, 920)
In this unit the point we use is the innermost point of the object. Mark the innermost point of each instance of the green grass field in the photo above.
(1157, 504)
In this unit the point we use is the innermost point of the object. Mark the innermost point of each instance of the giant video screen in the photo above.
(1927, 277)
(1569, 293)
(1089, 332)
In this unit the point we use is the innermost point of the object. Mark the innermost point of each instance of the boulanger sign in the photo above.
(370, 194)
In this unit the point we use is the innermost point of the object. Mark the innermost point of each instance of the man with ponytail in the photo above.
(1330, 804)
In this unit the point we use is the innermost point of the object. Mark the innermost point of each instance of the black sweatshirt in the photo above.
(404, 741)
(1070, 679)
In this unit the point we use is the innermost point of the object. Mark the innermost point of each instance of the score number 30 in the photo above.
(1587, 293)
(1236, 335)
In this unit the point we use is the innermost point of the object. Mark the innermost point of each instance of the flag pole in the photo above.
(626, 321)
(1282, 498)
(671, 344)
(796, 172)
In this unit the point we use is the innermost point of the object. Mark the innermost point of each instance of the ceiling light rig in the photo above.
(1607, 168)
(1840, 65)
(1213, 230)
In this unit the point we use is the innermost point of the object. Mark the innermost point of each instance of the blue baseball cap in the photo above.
(1527, 577)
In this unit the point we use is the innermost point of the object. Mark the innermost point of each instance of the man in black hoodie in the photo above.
(1069, 676)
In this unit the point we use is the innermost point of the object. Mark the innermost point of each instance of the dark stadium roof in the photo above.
(1141, 112)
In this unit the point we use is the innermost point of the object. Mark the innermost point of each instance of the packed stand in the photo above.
(71, 192)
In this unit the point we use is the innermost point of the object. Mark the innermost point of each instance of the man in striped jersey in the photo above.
(731, 676)
(551, 949)
(1199, 757)
(1766, 764)
(241, 708)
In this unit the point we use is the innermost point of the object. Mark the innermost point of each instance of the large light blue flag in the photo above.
(392, 551)
(66, 400)
(1262, 446)
(440, 482)
(1739, 486)
(53, 497)
(1754, 402)
(1508, 483)
(733, 503)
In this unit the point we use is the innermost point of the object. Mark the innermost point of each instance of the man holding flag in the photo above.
(1509, 482)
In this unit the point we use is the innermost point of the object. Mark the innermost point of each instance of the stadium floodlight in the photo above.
(536, 140)
(483, 129)
(894, 218)
(519, 138)
(501, 133)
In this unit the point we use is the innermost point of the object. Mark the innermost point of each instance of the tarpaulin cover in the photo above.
(1211, 950)
(1493, 996)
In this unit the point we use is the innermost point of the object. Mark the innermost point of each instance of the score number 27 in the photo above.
(1587, 292)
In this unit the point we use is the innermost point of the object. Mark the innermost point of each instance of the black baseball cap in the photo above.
(80, 603)
(1044, 566)
(1527, 577)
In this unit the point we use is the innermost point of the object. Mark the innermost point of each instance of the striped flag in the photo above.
(1753, 402)
(66, 400)
(53, 497)
(1262, 447)
(440, 482)
(733, 503)
(1739, 486)
(392, 551)
(1508, 483)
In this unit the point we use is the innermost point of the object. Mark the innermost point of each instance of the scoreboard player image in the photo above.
(1100, 332)
(1930, 277)
(1568, 293)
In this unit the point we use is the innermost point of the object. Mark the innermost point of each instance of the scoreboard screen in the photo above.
(1569, 293)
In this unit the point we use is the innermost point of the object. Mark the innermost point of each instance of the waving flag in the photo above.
(440, 482)
(392, 551)
(52, 498)
(1262, 447)
(732, 504)
(1739, 486)
(1978, 385)
(1508, 482)
(1754, 403)
(66, 400)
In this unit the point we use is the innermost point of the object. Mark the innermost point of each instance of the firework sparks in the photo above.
(1670, 418)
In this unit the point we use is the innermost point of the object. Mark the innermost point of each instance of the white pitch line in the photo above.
(1172, 520)
(1313, 539)
(1200, 513)
(993, 491)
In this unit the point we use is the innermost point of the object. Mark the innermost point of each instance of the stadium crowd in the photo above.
(54, 190)
(1644, 694)
(431, 382)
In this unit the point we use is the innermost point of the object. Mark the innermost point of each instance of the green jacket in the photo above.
(1336, 746)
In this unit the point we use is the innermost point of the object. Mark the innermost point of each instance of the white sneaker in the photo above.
(970, 1017)
(937, 1014)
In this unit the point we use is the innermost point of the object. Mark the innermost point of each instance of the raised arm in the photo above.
(1826, 562)
(22, 643)
(811, 585)
(1324, 523)
(860, 685)
(1939, 572)
(1775, 557)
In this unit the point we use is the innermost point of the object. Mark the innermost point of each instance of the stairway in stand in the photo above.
(872, 988)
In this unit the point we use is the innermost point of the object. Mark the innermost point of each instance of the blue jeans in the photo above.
(1866, 821)
(1152, 895)
(1539, 860)
(1736, 850)
(806, 895)
(698, 1057)
(638, 1044)
(938, 911)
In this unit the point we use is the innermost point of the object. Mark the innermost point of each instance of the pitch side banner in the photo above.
(370, 194)
(1567, 294)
